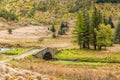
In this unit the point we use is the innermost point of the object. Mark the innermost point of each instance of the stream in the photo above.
(4, 49)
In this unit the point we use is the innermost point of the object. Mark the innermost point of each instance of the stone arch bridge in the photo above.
(43, 53)
(46, 53)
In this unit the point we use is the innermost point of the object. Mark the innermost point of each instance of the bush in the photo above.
(42, 7)
(7, 15)
(10, 31)
(54, 36)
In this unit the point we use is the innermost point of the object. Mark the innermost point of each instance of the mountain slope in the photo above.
(54, 11)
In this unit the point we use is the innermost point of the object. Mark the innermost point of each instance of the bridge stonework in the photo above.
(46, 53)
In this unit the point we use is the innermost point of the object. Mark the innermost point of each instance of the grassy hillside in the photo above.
(49, 11)
(44, 11)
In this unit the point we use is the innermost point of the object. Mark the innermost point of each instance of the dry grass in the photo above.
(70, 72)
(29, 37)
(26, 32)
(9, 73)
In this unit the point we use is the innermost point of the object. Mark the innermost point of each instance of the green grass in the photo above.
(15, 51)
(88, 56)
(80, 63)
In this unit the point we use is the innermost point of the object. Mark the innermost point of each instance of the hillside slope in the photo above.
(53, 11)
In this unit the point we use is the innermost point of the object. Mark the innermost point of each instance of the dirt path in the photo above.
(28, 53)
(34, 51)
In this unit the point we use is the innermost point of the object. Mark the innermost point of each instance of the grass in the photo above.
(70, 72)
(4, 57)
(16, 51)
(80, 63)
(9, 54)
(88, 56)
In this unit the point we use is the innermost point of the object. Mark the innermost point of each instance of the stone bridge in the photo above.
(43, 53)
(46, 53)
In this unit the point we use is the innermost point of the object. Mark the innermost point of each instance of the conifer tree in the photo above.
(53, 30)
(111, 22)
(105, 21)
(96, 20)
(104, 36)
(80, 30)
(61, 30)
(87, 32)
(117, 34)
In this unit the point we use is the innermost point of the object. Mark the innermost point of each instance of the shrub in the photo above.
(42, 7)
(10, 31)
(7, 15)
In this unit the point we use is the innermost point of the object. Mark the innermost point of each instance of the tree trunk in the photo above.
(99, 47)
(95, 42)
(95, 47)
(88, 44)
(84, 46)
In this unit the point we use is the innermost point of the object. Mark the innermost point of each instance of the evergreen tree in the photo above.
(104, 36)
(80, 30)
(105, 21)
(53, 30)
(111, 22)
(66, 25)
(61, 30)
(103, 1)
(96, 20)
(117, 34)
(87, 32)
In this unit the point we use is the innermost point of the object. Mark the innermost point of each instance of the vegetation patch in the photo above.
(88, 56)
(69, 72)
(7, 15)
(80, 63)
(15, 51)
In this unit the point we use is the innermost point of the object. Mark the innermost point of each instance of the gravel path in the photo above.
(34, 51)
(28, 53)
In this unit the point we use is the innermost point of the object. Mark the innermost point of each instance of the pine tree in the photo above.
(104, 36)
(105, 21)
(87, 32)
(111, 22)
(66, 25)
(117, 34)
(53, 30)
(96, 20)
(80, 30)
(61, 30)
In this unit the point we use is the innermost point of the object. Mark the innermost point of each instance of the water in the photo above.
(64, 61)
(4, 49)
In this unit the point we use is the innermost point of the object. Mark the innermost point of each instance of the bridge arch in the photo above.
(47, 56)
